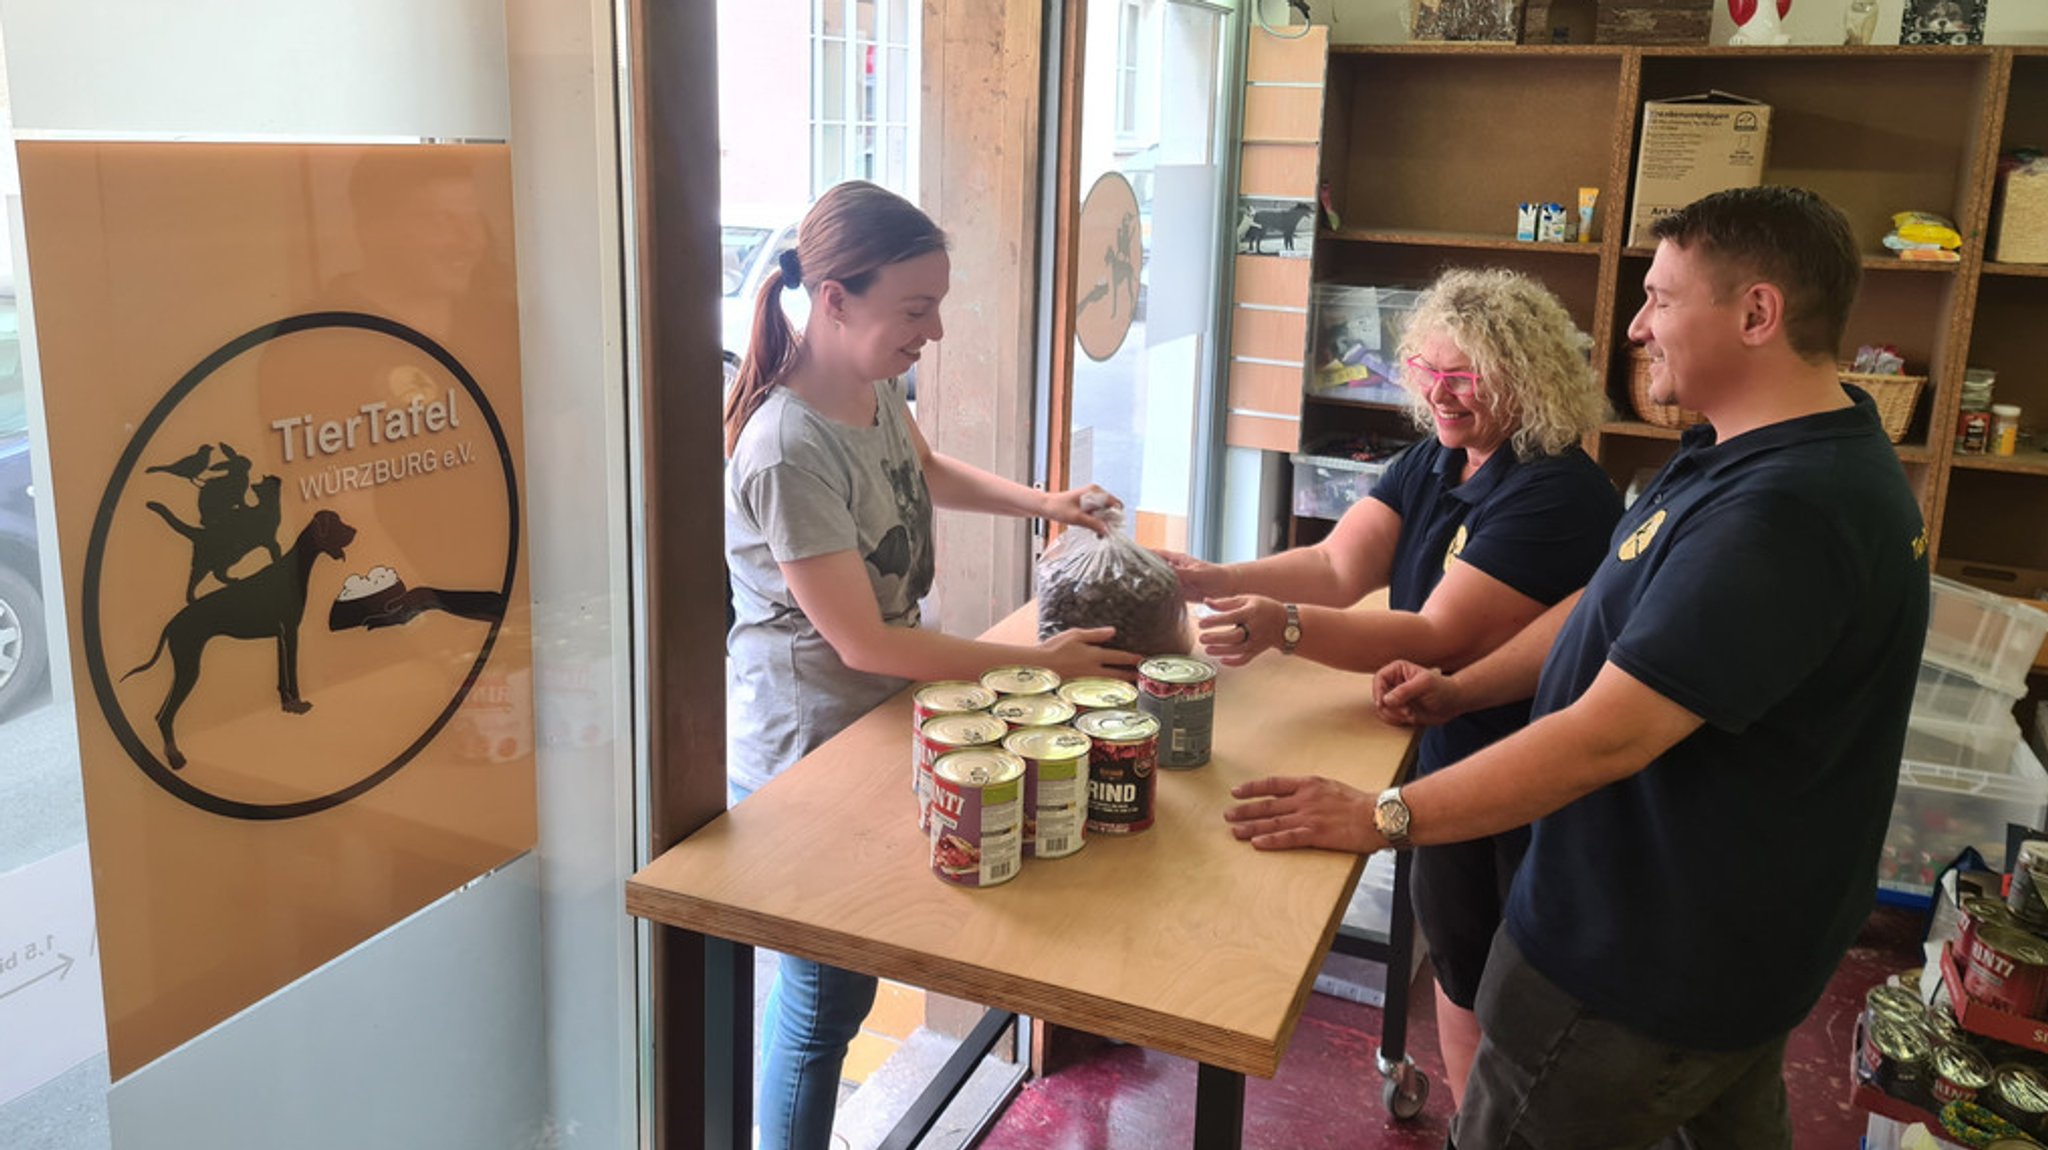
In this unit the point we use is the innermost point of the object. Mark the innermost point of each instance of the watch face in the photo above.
(1392, 818)
(1291, 634)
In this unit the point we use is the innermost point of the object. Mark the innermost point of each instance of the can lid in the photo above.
(1177, 669)
(966, 729)
(1032, 710)
(1048, 743)
(2022, 1087)
(1118, 726)
(1963, 1065)
(2009, 409)
(1093, 692)
(1020, 680)
(954, 695)
(979, 766)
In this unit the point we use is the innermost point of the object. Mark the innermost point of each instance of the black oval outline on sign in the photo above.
(95, 555)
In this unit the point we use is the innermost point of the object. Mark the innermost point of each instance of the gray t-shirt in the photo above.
(801, 485)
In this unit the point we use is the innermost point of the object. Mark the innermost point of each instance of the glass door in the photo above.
(1142, 325)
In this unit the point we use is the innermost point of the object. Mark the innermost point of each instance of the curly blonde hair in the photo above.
(1530, 357)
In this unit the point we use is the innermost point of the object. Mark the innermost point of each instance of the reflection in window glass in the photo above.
(864, 18)
(898, 73)
(831, 166)
(832, 17)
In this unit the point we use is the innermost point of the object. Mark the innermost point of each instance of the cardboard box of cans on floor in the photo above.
(1021, 765)
(1971, 1029)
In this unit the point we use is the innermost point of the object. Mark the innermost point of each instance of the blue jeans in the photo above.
(813, 1012)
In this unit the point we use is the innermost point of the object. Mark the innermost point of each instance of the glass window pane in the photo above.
(898, 80)
(898, 174)
(899, 22)
(832, 20)
(869, 111)
(830, 167)
(832, 82)
(864, 18)
(864, 160)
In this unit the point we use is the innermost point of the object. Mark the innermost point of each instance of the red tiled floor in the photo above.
(1327, 1093)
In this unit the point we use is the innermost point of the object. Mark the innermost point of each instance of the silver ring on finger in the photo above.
(1244, 633)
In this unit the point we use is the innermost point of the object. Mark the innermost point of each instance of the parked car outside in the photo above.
(24, 633)
(753, 238)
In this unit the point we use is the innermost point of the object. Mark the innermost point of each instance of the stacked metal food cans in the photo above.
(1913, 1046)
(1022, 765)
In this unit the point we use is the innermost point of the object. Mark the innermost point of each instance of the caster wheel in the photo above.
(1404, 1093)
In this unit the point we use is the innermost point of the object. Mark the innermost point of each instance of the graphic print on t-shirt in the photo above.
(1638, 541)
(902, 551)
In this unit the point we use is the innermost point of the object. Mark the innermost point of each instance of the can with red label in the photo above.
(2007, 968)
(1021, 680)
(1022, 711)
(1055, 788)
(1959, 1074)
(932, 700)
(1978, 911)
(977, 832)
(1099, 694)
(1896, 1057)
(1180, 691)
(943, 733)
(1120, 770)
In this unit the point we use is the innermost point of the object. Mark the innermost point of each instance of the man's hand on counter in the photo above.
(1410, 695)
(1282, 813)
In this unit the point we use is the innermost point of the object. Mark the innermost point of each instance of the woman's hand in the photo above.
(1080, 653)
(1077, 507)
(1199, 579)
(1240, 627)
(1410, 695)
(1284, 813)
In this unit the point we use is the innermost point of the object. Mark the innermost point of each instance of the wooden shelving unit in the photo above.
(1427, 149)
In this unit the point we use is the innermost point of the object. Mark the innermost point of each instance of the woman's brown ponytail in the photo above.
(849, 235)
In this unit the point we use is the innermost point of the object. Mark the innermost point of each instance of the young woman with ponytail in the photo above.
(828, 529)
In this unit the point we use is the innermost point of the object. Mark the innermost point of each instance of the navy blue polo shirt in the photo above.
(1539, 525)
(1775, 586)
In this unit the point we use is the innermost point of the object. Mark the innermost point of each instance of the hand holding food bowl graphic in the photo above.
(339, 506)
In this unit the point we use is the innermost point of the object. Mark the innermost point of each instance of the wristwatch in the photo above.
(1390, 818)
(1290, 635)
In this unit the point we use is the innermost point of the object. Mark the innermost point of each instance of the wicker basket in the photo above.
(1895, 395)
(1649, 410)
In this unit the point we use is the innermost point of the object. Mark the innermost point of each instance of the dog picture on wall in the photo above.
(1942, 22)
(1269, 227)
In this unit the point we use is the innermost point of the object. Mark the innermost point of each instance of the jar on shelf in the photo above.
(2005, 428)
(1973, 420)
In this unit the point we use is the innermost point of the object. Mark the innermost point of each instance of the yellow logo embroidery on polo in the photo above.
(1457, 545)
(1638, 541)
(1920, 544)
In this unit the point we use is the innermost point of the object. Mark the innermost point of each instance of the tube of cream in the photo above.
(1587, 198)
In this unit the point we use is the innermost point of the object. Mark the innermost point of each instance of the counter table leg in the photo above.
(1219, 1109)
(729, 1040)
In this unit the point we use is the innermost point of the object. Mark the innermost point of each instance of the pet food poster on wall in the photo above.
(282, 390)
(1942, 22)
(1270, 227)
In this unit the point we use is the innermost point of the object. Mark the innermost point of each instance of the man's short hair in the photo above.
(1784, 236)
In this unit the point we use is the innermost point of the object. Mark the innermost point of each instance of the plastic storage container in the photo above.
(1357, 340)
(1984, 635)
(1983, 747)
(1940, 810)
(1325, 486)
(1951, 697)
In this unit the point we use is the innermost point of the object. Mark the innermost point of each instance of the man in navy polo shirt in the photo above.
(1718, 723)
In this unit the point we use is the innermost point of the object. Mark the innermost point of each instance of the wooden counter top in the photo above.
(1180, 938)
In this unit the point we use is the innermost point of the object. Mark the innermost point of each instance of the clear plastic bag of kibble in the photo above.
(1090, 580)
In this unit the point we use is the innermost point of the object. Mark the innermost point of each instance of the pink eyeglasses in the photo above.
(1458, 383)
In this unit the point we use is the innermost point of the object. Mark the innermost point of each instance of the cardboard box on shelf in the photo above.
(1692, 146)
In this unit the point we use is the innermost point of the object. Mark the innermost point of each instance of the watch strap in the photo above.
(1290, 636)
